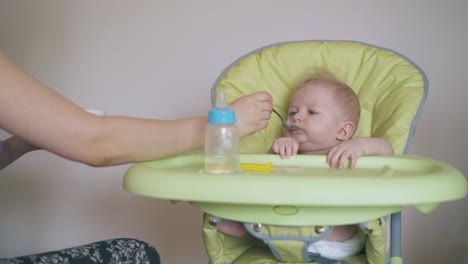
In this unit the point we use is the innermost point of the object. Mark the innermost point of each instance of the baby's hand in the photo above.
(253, 112)
(285, 147)
(350, 149)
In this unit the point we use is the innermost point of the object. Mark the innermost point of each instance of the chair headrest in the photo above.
(391, 88)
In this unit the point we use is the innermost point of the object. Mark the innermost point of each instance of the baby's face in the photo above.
(317, 114)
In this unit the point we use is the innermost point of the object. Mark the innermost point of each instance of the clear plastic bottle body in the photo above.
(222, 149)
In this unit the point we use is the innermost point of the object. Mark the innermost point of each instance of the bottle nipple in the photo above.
(221, 100)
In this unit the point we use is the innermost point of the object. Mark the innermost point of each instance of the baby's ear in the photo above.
(346, 131)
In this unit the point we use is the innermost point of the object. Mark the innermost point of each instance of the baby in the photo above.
(323, 116)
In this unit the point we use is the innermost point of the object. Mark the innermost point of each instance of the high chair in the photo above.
(301, 199)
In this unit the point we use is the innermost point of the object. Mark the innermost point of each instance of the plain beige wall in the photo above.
(158, 59)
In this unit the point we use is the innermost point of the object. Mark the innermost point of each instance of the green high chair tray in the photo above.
(301, 190)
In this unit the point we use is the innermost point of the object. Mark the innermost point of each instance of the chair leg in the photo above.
(395, 239)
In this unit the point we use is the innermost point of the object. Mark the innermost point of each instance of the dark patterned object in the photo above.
(114, 251)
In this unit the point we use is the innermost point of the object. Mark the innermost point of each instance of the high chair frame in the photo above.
(395, 246)
(409, 180)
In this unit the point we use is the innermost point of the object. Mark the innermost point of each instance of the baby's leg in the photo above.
(231, 228)
(342, 233)
(330, 249)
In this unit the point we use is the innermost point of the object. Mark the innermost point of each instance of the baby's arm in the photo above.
(355, 148)
(285, 147)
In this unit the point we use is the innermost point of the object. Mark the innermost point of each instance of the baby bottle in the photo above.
(221, 139)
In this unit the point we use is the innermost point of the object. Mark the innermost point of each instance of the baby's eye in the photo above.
(312, 112)
(292, 113)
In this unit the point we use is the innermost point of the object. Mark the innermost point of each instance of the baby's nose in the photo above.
(298, 117)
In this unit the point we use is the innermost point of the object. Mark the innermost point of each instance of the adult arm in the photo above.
(46, 119)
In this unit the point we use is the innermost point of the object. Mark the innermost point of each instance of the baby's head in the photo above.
(345, 98)
(325, 110)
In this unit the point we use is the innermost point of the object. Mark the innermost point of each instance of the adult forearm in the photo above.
(134, 140)
(112, 140)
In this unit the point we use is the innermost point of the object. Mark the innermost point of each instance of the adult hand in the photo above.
(253, 112)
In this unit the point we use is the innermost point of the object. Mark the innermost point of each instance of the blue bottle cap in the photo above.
(221, 116)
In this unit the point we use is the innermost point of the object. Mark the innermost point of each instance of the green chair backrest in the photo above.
(391, 88)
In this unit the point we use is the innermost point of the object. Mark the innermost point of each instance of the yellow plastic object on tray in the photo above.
(268, 167)
(265, 167)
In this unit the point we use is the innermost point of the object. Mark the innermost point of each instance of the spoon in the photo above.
(285, 124)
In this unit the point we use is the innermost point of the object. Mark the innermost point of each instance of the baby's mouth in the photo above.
(290, 126)
(294, 130)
